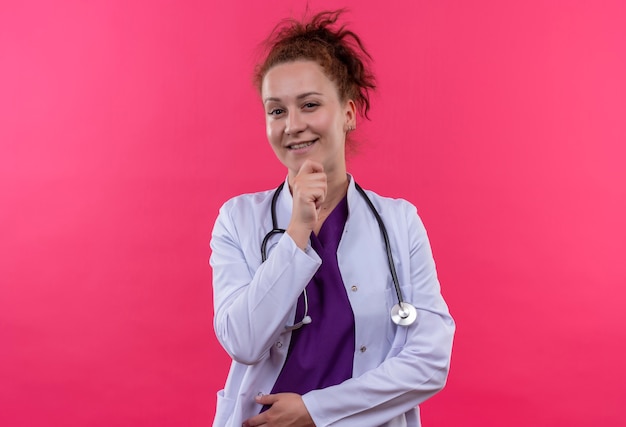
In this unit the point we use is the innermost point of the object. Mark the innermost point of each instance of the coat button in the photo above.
(363, 349)
(279, 344)
(354, 288)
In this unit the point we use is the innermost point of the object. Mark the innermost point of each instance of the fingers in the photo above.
(266, 399)
(286, 409)
(309, 185)
(261, 419)
(308, 189)
(310, 181)
(254, 421)
(257, 420)
(310, 166)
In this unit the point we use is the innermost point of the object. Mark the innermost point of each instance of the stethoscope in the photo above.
(402, 313)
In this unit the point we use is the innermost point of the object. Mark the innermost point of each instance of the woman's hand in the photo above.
(308, 190)
(286, 410)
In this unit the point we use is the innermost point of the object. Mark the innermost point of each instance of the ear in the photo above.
(350, 116)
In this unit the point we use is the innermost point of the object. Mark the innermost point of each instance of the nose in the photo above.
(295, 123)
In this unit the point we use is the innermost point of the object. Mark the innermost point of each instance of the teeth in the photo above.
(301, 145)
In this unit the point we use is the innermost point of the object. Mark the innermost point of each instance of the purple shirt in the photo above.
(321, 353)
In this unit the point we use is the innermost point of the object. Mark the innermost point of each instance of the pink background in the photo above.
(125, 125)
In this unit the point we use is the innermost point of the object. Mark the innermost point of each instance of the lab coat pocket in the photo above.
(224, 410)
(397, 337)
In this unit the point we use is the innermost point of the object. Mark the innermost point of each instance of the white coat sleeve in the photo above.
(417, 372)
(252, 307)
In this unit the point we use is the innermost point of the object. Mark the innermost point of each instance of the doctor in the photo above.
(309, 328)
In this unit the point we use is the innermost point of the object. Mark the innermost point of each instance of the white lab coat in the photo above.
(395, 368)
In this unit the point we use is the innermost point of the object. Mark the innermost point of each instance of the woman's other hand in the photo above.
(286, 410)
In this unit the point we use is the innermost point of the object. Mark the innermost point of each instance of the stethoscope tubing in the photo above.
(275, 229)
(403, 313)
(383, 230)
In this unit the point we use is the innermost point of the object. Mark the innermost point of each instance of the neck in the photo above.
(337, 189)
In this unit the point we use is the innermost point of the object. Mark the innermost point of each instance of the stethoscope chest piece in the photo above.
(403, 314)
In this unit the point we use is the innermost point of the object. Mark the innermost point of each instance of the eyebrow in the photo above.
(301, 96)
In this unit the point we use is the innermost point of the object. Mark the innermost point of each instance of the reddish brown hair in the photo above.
(338, 51)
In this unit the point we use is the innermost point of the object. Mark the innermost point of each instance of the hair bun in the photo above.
(337, 50)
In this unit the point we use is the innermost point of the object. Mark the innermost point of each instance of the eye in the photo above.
(275, 112)
(310, 105)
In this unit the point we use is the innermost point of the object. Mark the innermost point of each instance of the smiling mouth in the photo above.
(301, 145)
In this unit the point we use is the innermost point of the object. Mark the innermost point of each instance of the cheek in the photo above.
(330, 122)
(273, 132)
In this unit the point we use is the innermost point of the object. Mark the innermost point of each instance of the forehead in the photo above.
(290, 79)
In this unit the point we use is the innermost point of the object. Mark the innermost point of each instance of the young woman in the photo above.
(326, 295)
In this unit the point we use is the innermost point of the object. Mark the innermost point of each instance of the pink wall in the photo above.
(125, 125)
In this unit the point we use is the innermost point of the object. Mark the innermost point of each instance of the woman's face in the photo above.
(305, 118)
